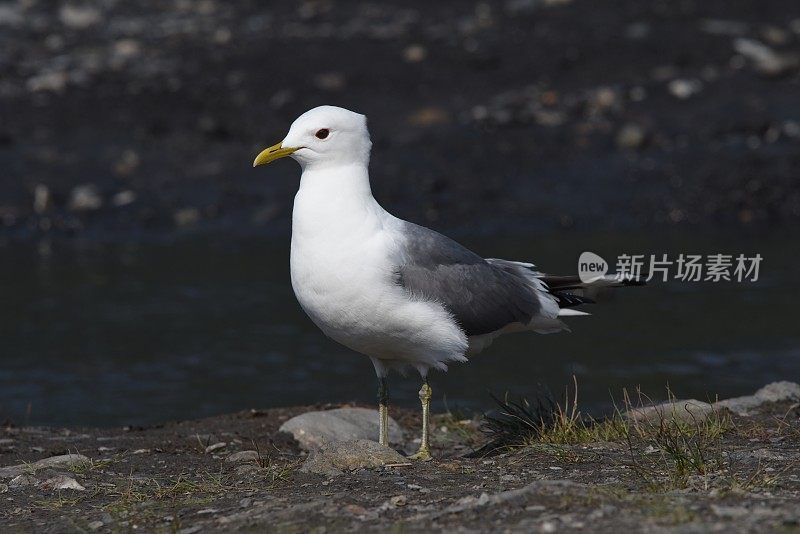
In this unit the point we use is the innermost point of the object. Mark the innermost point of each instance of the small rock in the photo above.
(186, 217)
(774, 392)
(42, 199)
(398, 500)
(415, 53)
(335, 458)
(85, 197)
(21, 481)
(246, 469)
(429, 116)
(62, 482)
(94, 525)
(65, 460)
(630, 137)
(54, 81)
(216, 447)
(3, 488)
(681, 410)
(313, 429)
(330, 81)
(141, 451)
(79, 17)
(10, 14)
(684, 89)
(764, 59)
(243, 456)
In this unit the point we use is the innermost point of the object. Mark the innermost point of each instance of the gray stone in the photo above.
(21, 481)
(335, 458)
(186, 217)
(65, 460)
(94, 525)
(774, 392)
(683, 89)
(631, 136)
(79, 17)
(688, 410)
(62, 482)
(243, 456)
(313, 429)
(216, 447)
(85, 197)
(42, 199)
(764, 59)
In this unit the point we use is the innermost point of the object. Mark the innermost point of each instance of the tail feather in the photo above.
(570, 291)
(565, 283)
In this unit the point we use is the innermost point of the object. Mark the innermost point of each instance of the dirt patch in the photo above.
(175, 477)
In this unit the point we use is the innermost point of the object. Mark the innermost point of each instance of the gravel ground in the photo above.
(125, 119)
(194, 476)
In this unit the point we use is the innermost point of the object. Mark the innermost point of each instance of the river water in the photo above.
(141, 333)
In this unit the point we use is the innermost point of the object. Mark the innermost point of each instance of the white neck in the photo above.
(336, 201)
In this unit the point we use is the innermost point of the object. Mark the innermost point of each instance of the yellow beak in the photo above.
(272, 153)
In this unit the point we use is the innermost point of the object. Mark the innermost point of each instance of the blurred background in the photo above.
(144, 263)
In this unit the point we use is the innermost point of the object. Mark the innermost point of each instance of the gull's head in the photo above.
(326, 136)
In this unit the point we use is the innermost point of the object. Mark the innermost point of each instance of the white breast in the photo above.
(343, 260)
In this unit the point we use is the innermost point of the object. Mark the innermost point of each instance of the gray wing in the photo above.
(482, 296)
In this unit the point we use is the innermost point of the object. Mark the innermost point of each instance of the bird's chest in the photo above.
(340, 274)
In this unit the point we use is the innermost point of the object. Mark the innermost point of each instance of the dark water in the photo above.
(132, 334)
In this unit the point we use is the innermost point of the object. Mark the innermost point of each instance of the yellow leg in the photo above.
(383, 409)
(424, 452)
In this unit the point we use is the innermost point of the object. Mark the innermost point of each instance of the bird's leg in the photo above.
(425, 393)
(383, 409)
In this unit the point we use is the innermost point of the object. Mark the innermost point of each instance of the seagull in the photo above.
(402, 294)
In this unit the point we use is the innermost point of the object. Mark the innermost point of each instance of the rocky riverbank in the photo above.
(127, 119)
(687, 465)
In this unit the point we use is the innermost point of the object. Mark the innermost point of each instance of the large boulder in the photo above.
(313, 429)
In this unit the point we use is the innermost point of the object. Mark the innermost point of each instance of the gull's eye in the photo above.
(323, 133)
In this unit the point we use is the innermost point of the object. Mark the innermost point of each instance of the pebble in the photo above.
(54, 81)
(398, 500)
(216, 447)
(186, 217)
(630, 137)
(42, 198)
(94, 525)
(415, 53)
(20, 481)
(62, 482)
(765, 60)
(79, 17)
(65, 460)
(243, 456)
(85, 197)
(683, 88)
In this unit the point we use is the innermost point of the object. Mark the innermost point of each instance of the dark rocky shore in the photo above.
(687, 466)
(129, 119)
